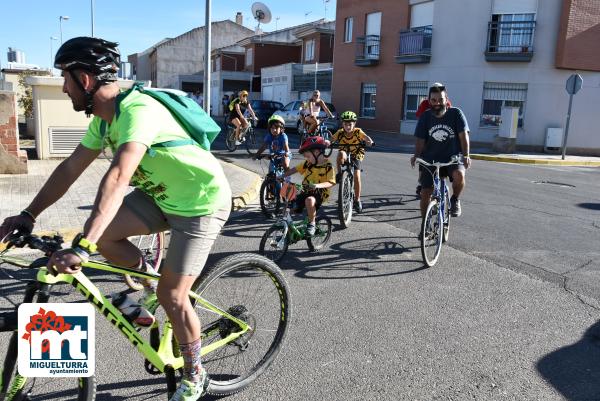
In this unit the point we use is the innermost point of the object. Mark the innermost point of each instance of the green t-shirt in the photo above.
(183, 180)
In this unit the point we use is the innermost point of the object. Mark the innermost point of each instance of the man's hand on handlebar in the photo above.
(20, 222)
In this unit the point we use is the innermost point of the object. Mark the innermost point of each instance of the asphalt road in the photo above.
(507, 314)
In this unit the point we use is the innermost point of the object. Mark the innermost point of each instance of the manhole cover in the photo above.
(558, 184)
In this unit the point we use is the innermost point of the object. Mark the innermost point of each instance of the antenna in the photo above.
(261, 13)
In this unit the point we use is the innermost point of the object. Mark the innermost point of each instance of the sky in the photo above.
(136, 25)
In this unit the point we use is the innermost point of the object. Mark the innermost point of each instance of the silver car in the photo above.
(291, 115)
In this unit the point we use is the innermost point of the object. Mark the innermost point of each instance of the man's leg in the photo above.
(458, 185)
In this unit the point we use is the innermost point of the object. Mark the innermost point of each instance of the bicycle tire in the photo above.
(269, 243)
(39, 388)
(251, 142)
(268, 188)
(431, 234)
(154, 251)
(230, 140)
(229, 285)
(322, 235)
(447, 216)
(345, 199)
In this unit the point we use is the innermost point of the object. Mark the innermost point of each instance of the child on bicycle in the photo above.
(276, 140)
(318, 178)
(349, 134)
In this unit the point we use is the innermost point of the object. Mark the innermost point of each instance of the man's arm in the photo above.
(113, 188)
(62, 178)
(466, 147)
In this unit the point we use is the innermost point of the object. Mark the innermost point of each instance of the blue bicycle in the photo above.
(435, 226)
(321, 131)
(270, 203)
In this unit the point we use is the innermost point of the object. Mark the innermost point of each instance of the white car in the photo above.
(291, 115)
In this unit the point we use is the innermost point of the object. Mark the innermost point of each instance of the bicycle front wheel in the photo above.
(269, 197)
(345, 199)
(431, 234)
(230, 140)
(273, 244)
(251, 142)
(251, 288)
(152, 247)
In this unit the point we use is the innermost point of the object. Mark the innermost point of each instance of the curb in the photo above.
(548, 162)
(251, 192)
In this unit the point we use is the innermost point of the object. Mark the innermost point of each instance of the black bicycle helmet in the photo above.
(98, 56)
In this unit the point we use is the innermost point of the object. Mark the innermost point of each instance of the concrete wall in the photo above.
(12, 159)
(184, 55)
(464, 70)
(53, 109)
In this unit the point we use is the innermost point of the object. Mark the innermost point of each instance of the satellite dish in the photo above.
(261, 13)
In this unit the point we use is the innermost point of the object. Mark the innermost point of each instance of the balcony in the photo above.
(414, 45)
(510, 41)
(367, 50)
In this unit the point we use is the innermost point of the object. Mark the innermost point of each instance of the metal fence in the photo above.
(415, 41)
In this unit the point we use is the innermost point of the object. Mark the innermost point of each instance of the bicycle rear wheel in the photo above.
(345, 199)
(431, 234)
(230, 140)
(253, 289)
(322, 234)
(152, 247)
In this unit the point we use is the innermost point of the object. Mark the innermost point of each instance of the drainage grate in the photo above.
(558, 184)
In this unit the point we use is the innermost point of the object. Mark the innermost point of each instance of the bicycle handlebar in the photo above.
(46, 243)
(362, 144)
(434, 164)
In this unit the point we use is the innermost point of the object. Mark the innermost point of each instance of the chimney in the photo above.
(239, 19)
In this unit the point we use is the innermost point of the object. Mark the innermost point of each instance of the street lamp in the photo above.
(62, 17)
(92, 9)
(52, 38)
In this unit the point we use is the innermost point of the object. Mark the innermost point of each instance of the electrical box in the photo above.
(510, 122)
(554, 139)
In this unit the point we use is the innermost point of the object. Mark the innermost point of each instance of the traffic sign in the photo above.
(574, 84)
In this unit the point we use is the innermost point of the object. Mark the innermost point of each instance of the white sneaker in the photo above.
(188, 391)
(237, 143)
(133, 310)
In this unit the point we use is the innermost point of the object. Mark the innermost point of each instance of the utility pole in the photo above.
(207, 64)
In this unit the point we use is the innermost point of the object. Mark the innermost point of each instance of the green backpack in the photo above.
(201, 128)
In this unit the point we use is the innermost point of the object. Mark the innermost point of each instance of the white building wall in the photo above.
(276, 83)
(184, 55)
(458, 60)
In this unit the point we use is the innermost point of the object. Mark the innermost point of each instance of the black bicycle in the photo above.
(247, 135)
(270, 202)
(345, 181)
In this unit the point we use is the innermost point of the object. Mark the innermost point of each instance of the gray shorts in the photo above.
(191, 237)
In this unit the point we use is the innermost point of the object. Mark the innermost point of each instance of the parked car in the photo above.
(264, 109)
(291, 115)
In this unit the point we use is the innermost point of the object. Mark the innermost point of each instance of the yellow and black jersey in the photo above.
(317, 174)
(355, 137)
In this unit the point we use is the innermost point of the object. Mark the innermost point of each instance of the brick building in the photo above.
(502, 55)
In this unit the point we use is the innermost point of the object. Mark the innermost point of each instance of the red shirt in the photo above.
(424, 106)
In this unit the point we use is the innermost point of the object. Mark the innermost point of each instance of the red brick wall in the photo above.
(9, 134)
(325, 46)
(229, 64)
(387, 75)
(268, 55)
(579, 35)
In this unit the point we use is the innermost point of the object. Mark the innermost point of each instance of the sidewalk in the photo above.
(406, 144)
(69, 214)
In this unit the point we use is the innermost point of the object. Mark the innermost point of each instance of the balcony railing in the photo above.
(414, 45)
(510, 41)
(367, 50)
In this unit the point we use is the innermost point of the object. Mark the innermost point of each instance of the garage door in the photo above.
(267, 92)
(281, 94)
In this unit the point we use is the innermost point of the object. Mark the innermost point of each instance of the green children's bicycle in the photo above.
(276, 240)
(243, 303)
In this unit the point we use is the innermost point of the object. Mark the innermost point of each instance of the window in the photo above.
(288, 106)
(349, 22)
(309, 50)
(414, 93)
(367, 100)
(249, 60)
(514, 32)
(497, 95)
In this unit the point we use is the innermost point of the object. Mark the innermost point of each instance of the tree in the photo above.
(26, 99)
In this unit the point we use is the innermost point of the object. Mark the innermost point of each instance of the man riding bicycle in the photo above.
(442, 133)
(181, 188)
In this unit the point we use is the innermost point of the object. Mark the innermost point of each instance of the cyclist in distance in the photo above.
(349, 134)
(315, 103)
(276, 140)
(318, 178)
(237, 109)
(181, 188)
(442, 133)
